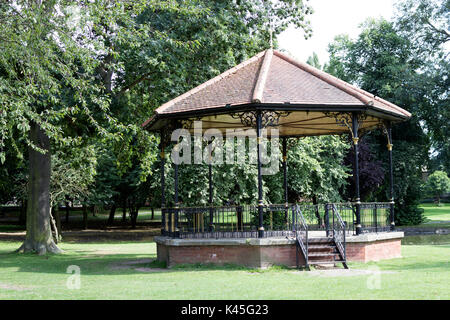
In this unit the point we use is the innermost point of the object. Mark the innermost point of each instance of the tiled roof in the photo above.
(272, 77)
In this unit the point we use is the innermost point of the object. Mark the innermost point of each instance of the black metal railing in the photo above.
(214, 222)
(301, 235)
(279, 220)
(338, 230)
(375, 217)
(347, 213)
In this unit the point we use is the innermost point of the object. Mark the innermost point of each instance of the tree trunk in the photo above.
(67, 211)
(111, 214)
(57, 217)
(39, 236)
(124, 211)
(316, 211)
(153, 213)
(134, 214)
(23, 213)
(53, 224)
(133, 207)
(85, 217)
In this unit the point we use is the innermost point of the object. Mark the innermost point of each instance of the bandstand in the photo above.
(272, 90)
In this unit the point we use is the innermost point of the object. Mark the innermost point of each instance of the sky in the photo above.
(331, 18)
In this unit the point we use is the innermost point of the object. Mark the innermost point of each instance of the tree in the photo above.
(13, 181)
(314, 61)
(426, 21)
(371, 171)
(315, 168)
(207, 38)
(73, 171)
(71, 70)
(380, 60)
(47, 95)
(425, 24)
(437, 184)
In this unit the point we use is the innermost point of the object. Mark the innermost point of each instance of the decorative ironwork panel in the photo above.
(268, 118)
(344, 119)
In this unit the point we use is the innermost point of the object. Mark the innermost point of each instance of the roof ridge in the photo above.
(258, 91)
(374, 97)
(210, 82)
(400, 109)
(327, 78)
(358, 93)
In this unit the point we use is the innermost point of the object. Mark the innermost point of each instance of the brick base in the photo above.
(262, 253)
(374, 251)
(246, 255)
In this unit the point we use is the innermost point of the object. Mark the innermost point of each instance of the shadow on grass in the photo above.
(146, 264)
(110, 264)
(90, 264)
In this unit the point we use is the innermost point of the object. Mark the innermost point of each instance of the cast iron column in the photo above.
(175, 227)
(391, 176)
(211, 212)
(260, 190)
(285, 185)
(163, 189)
(356, 172)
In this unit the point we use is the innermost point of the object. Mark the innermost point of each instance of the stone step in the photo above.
(311, 255)
(321, 248)
(323, 240)
(325, 262)
(320, 252)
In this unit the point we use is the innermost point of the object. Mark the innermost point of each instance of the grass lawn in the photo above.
(434, 212)
(117, 271)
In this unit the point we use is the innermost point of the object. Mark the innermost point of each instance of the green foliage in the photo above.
(315, 168)
(409, 153)
(425, 24)
(92, 72)
(437, 184)
(13, 177)
(73, 173)
(272, 220)
(385, 62)
(46, 75)
(171, 49)
(314, 61)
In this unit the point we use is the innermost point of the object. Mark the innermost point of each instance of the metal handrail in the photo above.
(303, 244)
(339, 231)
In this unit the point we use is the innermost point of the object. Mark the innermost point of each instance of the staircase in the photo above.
(320, 250)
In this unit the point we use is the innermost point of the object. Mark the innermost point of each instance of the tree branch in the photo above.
(133, 84)
(442, 31)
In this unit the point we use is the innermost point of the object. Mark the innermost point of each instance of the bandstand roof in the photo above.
(273, 81)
